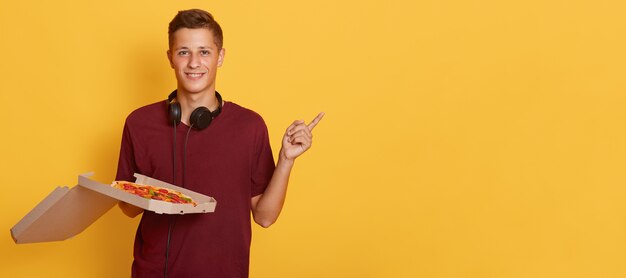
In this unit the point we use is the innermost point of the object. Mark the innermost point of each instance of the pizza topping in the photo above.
(154, 192)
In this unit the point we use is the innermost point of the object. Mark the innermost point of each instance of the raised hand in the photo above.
(298, 138)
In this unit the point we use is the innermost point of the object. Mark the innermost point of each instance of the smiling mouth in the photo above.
(194, 75)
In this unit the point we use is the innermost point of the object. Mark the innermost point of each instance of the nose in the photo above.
(194, 61)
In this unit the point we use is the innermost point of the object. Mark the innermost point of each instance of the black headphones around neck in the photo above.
(200, 118)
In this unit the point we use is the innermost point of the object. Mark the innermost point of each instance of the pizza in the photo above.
(154, 192)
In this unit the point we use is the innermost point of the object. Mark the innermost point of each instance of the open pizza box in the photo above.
(66, 212)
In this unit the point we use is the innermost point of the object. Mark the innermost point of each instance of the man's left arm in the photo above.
(297, 140)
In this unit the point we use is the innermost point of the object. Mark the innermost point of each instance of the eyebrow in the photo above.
(201, 47)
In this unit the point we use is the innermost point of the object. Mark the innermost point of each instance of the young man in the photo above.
(210, 146)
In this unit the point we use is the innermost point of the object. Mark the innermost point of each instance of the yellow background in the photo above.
(462, 138)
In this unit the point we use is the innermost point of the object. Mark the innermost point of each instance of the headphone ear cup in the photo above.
(174, 113)
(200, 118)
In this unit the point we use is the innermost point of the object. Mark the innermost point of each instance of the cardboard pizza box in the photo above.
(205, 203)
(66, 212)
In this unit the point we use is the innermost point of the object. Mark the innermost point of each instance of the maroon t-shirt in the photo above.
(231, 160)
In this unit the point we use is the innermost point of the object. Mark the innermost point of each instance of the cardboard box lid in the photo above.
(63, 214)
(66, 212)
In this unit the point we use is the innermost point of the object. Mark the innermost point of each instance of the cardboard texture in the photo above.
(67, 212)
(62, 215)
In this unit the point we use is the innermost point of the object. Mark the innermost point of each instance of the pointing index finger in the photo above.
(315, 121)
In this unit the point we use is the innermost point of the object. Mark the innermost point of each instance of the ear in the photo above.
(169, 57)
(220, 58)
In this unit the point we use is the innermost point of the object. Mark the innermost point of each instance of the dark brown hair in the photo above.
(193, 19)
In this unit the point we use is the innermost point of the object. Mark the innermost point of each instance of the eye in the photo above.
(183, 53)
(205, 52)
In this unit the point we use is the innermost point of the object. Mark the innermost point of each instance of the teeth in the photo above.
(194, 74)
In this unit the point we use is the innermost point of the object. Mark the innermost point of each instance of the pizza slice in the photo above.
(154, 192)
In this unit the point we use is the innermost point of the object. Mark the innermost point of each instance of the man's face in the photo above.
(194, 56)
